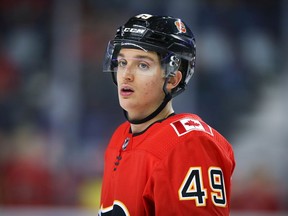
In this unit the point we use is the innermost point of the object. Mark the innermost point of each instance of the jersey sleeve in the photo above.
(194, 178)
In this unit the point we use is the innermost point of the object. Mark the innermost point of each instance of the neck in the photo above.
(168, 110)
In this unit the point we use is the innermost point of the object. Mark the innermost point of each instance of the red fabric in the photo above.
(150, 176)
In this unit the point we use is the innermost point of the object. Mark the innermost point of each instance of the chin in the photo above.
(127, 106)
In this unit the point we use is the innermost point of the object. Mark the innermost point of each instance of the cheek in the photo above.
(153, 88)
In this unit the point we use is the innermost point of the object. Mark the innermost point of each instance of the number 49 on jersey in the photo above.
(192, 187)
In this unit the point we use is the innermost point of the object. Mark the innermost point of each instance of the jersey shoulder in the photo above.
(184, 130)
(197, 134)
(164, 136)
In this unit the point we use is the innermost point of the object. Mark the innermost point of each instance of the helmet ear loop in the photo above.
(174, 65)
(172, 68)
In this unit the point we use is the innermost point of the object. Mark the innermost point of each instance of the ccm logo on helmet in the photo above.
(134, 30)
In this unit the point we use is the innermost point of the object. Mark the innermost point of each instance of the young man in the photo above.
(158, 162)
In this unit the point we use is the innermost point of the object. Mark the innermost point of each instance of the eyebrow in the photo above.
(139, 57)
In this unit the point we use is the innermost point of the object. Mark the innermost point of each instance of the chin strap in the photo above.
(167, 98)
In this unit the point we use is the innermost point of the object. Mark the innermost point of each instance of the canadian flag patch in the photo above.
(186, 125)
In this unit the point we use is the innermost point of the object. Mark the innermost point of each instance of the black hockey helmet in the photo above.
(165, 35)
(168, 36)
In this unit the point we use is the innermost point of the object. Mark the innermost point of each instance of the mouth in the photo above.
(126, 91)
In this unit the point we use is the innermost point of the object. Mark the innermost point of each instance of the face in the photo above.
(140, 82)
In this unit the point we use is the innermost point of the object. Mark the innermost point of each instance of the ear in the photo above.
(174, 81)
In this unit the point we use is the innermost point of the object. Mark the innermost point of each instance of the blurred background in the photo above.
(58, 109)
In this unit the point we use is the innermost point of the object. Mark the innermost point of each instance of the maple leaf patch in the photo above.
(186, 125)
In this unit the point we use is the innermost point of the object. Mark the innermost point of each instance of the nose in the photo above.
(128, 74)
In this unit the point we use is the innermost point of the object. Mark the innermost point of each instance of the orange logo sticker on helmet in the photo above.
(180, 26)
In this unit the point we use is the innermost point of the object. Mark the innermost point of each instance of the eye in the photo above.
(143, 66)
(122, 63)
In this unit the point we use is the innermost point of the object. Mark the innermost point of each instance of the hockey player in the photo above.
(159, 162)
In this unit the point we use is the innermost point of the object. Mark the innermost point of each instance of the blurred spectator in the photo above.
(258, 51)
(25, 176)
(260, 192)
(10, 81)
(9, 77)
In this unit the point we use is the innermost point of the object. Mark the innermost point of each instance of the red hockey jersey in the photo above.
(178, 166)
